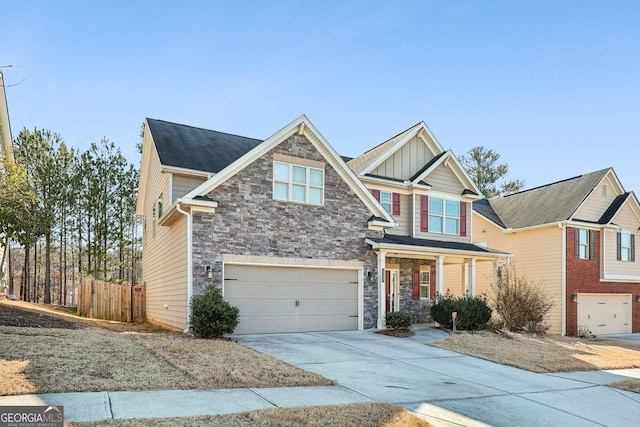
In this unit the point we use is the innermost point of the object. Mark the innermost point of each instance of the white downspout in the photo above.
(564, 278)
(189, 260)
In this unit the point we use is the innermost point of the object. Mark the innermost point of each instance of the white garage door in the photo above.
(605, 313)
(292, 299)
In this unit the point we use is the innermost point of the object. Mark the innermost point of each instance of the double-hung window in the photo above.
(444, 216)
(626, 247)
(583, 244)
(386, 200)
(296, 183)
(425, 285)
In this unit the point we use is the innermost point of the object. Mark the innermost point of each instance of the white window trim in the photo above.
(444, 216)
(290, 184)
(623, 247)
(426, 273)
(384, 203)
(584, 245)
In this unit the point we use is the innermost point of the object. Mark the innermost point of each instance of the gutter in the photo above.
(189, 260)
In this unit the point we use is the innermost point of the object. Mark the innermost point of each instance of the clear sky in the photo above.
(553, 86)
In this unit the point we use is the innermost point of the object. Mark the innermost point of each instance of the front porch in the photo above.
(412, 272)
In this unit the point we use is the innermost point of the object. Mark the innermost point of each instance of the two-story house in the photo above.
(577, 238)
(295, 237)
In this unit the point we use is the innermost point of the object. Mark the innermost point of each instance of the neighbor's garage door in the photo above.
(292, 299)
(605, 313)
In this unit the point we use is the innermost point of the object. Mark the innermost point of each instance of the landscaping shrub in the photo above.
(473, 312)
(211, 315)
(399, 321)
(522, 304)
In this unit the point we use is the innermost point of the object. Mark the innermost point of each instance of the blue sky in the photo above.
(553, 86)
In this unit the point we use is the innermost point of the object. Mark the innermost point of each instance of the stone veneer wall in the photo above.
(248, 221)
(419, 309)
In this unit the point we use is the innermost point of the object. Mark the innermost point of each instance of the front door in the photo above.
(392, 285)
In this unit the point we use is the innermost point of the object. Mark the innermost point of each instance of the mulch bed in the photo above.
(396, 333)
(14, 316)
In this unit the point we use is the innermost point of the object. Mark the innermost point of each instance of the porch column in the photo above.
(472, 278)
(439, 274)
(381, 289)
(464, 279)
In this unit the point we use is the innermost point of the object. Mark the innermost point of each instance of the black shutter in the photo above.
(592, 244)
(576, 251)
(619, 246)
(633, 248)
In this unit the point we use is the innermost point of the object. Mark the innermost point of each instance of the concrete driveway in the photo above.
(630, 338)
(448, 388)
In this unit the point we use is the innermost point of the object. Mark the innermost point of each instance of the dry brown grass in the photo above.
(357, 414)
(92, 359)
(548, 353)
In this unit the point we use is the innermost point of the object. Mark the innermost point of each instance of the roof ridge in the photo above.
(554, 183)
(389, 139)
(201, 128)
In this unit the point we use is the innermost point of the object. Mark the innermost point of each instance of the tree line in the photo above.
(68, 213)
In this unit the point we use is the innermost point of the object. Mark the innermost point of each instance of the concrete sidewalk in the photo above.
(183, 403)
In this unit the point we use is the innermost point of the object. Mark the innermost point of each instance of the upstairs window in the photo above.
(160, 205)
(626, 250)
(585, 244)
(297, 183)
(444, 216)
(386, 200)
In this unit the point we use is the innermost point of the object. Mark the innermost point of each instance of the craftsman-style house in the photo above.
(296, 237)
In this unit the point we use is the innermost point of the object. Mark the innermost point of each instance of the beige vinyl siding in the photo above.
(597, 202)
(181, 185)
(537, 254)
(441, 236)
(164, 256)
(404, 219)
(405, 162)
(444, 180)
(614, 269)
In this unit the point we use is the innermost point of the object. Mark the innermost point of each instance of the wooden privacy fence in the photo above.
(104, 300)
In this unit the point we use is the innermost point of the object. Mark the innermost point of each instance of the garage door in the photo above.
(292, 299)
(605, 313)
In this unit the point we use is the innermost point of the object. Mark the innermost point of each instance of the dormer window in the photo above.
(296, 183)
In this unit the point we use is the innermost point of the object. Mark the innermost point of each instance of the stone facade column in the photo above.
(381, 289)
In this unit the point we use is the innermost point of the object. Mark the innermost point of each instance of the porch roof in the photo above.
(406, 243)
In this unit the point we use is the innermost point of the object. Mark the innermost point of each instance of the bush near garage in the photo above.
(522, 304)
(399, 321)
(473, 311)
(211, 315)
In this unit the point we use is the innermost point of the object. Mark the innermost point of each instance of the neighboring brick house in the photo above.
(292, 235)
(577, 237)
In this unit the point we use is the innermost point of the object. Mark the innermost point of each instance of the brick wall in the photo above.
(248, 221)
(583, 276)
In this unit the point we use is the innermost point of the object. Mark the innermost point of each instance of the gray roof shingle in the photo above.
(541, 205)
(434, 244)
(195, 148)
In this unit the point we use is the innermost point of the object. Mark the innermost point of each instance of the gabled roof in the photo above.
(547, 204)
(193, 148)
(366, 162)
(459, 171)
(613, 208)
(302, 125)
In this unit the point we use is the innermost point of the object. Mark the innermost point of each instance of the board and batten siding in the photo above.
(181, 185)
(614, 269)
(536, 253)
(405, 162)
(598, 201)
(164, 256)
